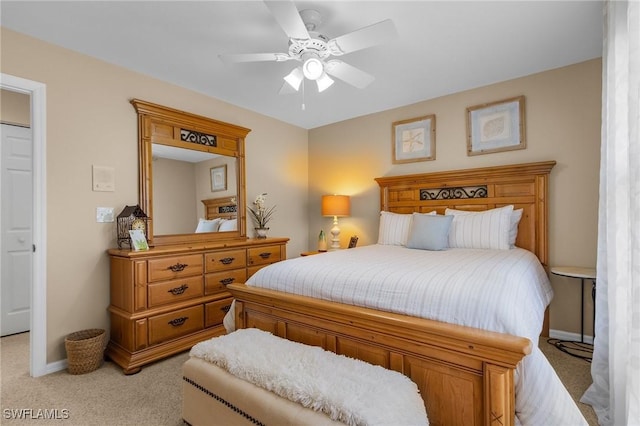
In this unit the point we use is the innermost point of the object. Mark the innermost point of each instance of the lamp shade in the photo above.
(336, 205)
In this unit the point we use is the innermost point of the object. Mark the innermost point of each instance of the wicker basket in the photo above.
(85, 350)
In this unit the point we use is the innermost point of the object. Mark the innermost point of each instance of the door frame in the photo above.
(38, 333)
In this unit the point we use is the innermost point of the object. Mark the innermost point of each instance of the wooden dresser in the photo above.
(165, 300)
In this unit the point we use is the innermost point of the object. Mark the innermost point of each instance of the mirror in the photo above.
(182, 178)
(191, 168)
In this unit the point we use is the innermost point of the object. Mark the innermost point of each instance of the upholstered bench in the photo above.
(252, 377)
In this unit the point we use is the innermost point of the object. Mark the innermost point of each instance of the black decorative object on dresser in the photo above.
(131, 217)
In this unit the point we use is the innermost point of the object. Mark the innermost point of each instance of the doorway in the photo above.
(38, 315)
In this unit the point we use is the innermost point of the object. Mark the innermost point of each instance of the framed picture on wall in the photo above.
(414, 139)
(218, 178)
(496, 126)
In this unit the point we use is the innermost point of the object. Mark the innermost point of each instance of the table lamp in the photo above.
(335, 205)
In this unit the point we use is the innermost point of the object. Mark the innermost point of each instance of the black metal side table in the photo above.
(580, 349)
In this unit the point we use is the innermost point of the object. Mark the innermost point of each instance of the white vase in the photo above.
(261, 232)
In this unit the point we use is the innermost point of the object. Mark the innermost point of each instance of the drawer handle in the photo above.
(227, 260)
(265, 255)
(178, 267)
(226, 308)
(227, 281)
(178, 290)
(177, 322)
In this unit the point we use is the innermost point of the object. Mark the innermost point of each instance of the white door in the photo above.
(16, 223)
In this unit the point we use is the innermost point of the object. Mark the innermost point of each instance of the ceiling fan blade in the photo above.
(348, 73)
(288, 18)
(364, 37)
(254, 57)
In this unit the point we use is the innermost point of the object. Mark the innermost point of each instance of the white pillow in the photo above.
(394, 228)
(516, 215)
(483, 230)
(205, 225)
(228, 225)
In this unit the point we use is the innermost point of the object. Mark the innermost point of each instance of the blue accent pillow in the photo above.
(429, 232)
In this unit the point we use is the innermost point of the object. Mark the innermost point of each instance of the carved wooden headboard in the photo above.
(523, 185)
(224, 207)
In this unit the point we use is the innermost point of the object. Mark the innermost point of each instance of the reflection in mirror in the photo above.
(181, 180)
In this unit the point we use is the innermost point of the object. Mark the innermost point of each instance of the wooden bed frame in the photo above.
(465, 375)
(224, 208)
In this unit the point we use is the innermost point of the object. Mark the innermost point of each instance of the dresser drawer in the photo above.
(175, 324)
(169, 268)
(263, 255)
(174, 291)
(218, 282)
(215, 311)
(227, 259)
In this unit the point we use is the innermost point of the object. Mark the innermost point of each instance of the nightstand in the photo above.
(575, 348)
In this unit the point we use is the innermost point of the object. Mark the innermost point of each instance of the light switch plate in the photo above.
(104, 214)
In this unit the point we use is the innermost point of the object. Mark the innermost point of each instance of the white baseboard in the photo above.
(565, 335)
(56, 366)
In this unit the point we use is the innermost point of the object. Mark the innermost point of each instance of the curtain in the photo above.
(615, 369)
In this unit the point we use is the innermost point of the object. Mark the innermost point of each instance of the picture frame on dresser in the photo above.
(496, 126)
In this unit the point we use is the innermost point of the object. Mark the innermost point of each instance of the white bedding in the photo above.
(499, 290)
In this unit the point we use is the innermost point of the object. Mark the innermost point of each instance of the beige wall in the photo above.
(15, 108)
(90, 121)
(562, 124)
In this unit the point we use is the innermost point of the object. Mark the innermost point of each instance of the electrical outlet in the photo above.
(104, 214)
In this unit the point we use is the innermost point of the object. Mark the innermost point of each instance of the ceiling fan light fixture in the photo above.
(294, 78)
(313, 68)
(324, 82)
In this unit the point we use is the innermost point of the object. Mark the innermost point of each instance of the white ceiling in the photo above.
(443, 47)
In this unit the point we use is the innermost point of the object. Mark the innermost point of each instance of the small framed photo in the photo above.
(353, 242)
(138, 240)
(496, 126)
(219, 178)
(414, 139)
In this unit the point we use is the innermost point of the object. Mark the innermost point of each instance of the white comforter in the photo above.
(499, 290)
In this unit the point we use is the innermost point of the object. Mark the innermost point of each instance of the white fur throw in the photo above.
(345, 389)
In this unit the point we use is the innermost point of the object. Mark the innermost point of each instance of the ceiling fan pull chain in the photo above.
(303, 106)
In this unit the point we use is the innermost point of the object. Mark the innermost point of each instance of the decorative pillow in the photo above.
(394, 228)
(483, 230)
(429, 232)
(228, 225)
(205, 225)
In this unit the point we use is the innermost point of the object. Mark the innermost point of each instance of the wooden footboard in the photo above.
(465, 375)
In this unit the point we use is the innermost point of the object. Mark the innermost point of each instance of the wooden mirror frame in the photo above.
(159, 124)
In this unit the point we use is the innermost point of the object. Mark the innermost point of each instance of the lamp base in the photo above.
(335, 233)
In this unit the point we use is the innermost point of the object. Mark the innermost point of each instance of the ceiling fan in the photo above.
(314, 49)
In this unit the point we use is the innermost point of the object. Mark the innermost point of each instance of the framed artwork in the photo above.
(414, 139)
(219, 178)
(496, 126)
(353, 242)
